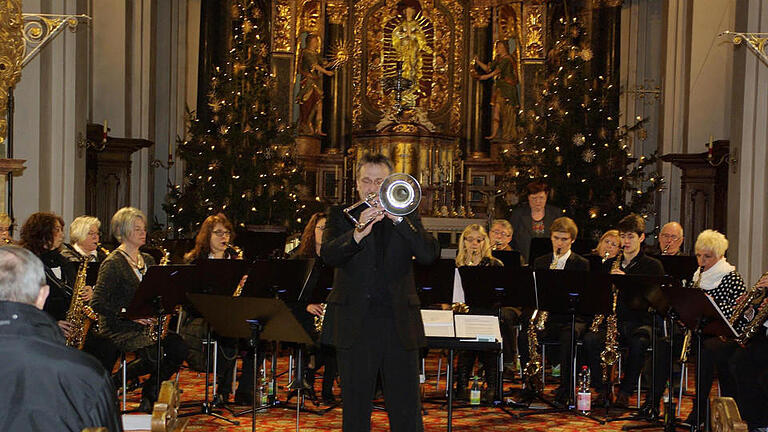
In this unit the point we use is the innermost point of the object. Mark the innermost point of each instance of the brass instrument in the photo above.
(533, 368)
(605, 256)
(238, 251)
(610, 354)
(686, 350)
(666, 248)
(752, 307)
(599, 318)
(319, 319)
(399, 195)
(76, 314)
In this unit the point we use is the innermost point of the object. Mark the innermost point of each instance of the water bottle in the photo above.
(263, 390)
(584, 397)
(474, 392)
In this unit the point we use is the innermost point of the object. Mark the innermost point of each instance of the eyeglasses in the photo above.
(497, 232)
(671, 237)
(320, 227)
(222, 233)
(474, 239)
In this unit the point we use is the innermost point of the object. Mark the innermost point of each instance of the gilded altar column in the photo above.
(336, 99)
(480, 16)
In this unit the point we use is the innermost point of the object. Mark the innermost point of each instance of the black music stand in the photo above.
(253, 318)
(434, 282)
(511, 258)
(262, 244)
(680, 267)
(642, 293)
(572, 293)
(161, 289)
(699, 313)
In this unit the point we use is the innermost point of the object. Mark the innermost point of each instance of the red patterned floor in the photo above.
(464, 419)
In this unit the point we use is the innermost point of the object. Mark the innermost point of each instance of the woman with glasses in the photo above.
(214, 241)
(119, 276)
(475, 250)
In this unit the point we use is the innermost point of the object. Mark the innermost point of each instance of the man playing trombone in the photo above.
(373, 317)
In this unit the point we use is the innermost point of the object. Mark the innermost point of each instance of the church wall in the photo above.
(49, 117)
(748, 181)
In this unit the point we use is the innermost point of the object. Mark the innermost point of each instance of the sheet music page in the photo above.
(458, 288)
(727, 321)
(472, 326)
(438, 323)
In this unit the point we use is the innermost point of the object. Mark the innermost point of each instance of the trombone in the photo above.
(399, 195)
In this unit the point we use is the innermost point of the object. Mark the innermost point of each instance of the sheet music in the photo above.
(472, 326)
(137, 422)
(725, 319)
(458, 288)
(438, 323)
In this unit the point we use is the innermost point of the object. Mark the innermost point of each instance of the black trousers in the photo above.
(750, 371)
(559, 331)
(715, 356)
(174, 352)
(637, 338)
(380, 349)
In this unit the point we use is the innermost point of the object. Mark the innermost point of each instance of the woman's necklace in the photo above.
(137, 263)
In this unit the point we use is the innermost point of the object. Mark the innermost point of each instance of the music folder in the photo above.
(697, 310)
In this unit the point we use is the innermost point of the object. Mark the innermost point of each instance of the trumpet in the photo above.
(399, 195)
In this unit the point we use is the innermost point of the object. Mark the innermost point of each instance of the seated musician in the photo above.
(5, 229)
(608, 245)
(213, 241)
(724, 284)
(43, 233)
(47, 386)
(634, 327)
(84, 238)
(119, 276)
(670, 239)
(501, 235)
(563, 232)
(748, 364)
(325, 355)
(475, 250)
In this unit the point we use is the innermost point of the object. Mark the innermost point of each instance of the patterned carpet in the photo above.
(435, 416)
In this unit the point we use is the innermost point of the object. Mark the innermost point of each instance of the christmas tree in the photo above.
(240, 161)
(573, 141)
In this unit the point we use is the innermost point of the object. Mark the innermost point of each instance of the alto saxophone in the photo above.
(686, 350)
(238, 255)
(536, 324)
(76, 314)
(320, 318)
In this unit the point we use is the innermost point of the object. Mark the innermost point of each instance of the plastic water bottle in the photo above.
(474, 392)
(584, 397)
(263, 390)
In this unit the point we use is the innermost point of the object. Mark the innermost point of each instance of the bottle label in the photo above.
(584, 401)
(264, 398)
(474, 397)
(271, 389)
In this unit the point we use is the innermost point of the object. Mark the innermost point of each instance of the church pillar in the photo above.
(479, 91)
(334, 117)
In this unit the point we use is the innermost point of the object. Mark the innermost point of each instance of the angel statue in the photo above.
(504, 97)
(409, 42)
(310, 97)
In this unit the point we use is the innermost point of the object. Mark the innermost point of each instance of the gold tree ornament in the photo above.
(11, 54)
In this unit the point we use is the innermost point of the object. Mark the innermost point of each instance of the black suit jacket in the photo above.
(574, 262)
(375, 274)
(523, 231)
(641, 264)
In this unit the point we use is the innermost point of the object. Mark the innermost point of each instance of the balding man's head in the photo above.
(671, 238)
(22, 278)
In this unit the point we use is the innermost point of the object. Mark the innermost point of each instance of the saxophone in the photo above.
(599, 318)
(238, 255)
(319, 319)
(752, 306)
(536, 324)
(76, 315)
(686, 350)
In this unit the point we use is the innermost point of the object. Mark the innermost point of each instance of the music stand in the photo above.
(699, 313)
(572, 293)
(322, 288)
(434, 282)
(262, 244)
(161, 289)
(511, 259)
(253, 318)
(680, 267)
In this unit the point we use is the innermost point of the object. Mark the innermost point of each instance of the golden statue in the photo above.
(310, 98)
(409, 42)
(505, 100)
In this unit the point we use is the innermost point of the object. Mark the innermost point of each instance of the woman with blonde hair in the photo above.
(608, 245)
(475, 250)
(119, 276)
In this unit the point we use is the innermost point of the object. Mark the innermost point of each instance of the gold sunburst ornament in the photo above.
(339, 54)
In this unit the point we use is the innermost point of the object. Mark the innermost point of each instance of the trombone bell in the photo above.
(399, 195)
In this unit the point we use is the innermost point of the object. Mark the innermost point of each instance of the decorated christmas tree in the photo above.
(573, 141)
(240, 161)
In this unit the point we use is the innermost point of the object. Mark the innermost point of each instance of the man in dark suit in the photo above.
(563, 233)
(634, 326)
(532, 219)
(373, 315)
